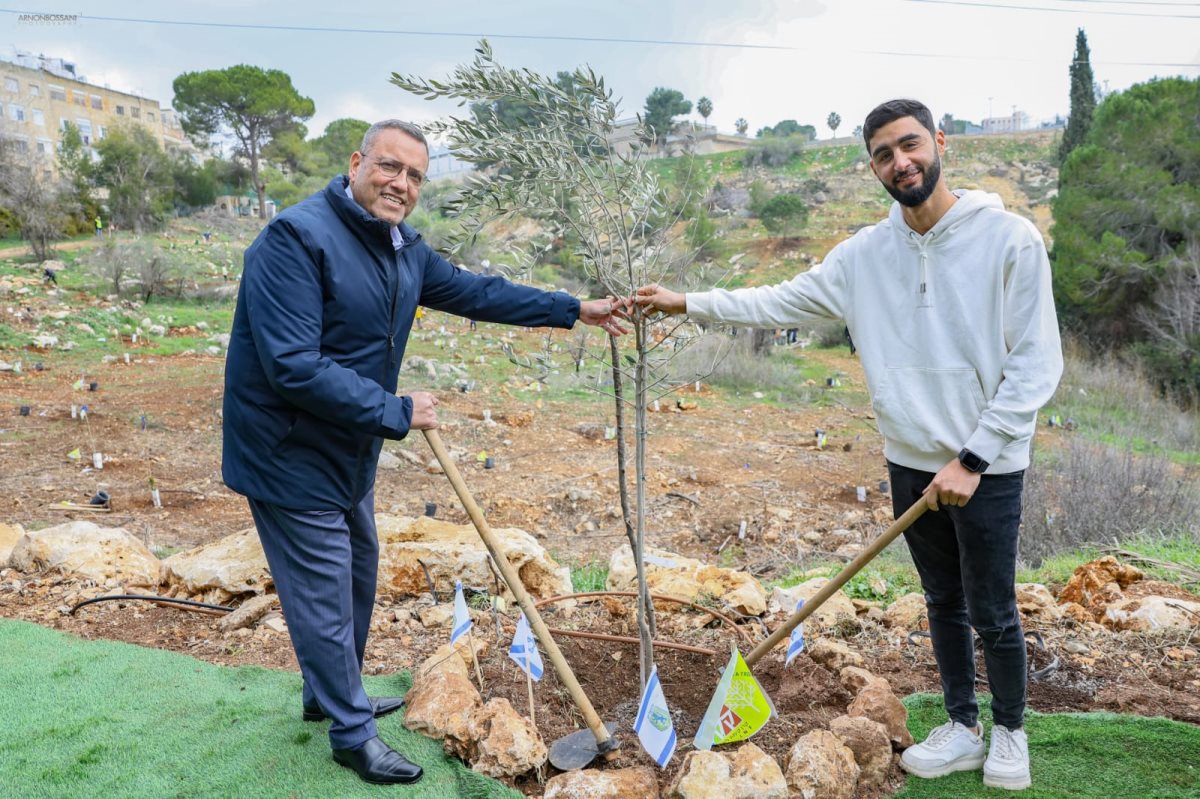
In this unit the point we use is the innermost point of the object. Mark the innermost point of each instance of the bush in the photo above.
(784, 215)
(774, 151)
(1092, 494)
(731, 362)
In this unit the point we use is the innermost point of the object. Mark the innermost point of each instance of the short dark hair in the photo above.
(391, 124)
(886, 113)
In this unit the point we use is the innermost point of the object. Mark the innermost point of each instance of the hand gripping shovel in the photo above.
(830, 588)
(579, 748)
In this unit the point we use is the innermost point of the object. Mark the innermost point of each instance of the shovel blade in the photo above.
(576, 750)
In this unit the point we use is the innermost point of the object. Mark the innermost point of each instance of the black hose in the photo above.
(150, 598)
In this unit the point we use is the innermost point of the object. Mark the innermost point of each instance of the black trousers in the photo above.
(967, 560)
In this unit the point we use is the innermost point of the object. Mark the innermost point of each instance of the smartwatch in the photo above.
(972, 462)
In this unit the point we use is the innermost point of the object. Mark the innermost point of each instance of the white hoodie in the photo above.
(956, 328)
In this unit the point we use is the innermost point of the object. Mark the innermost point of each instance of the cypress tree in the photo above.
(1083, 98)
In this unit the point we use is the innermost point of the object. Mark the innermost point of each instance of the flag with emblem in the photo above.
(653, 726)
(739, 707)
(796, 642)
(462, 619)
(524, 651)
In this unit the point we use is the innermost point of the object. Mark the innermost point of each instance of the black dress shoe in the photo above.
(380, 706)
(379, 764)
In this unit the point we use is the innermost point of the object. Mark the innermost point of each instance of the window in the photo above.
(101, 132)
(120, 110)
(135, 112)
(12, 85)
(39, 118)
(16, 112)
(150, 115)
(45, 146)
(21, 143)
(35, 90)
(85, 130)
(62, 124)
(58, 93)
(97, 102)
(79, 98)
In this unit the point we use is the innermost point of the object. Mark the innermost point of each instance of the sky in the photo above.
(759, 60)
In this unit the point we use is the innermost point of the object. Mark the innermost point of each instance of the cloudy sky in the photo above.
(761, 60)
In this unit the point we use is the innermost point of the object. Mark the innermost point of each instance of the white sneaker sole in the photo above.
(970, 764)
(1017, 782)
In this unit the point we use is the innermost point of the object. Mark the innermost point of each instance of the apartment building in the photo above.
(40, 95)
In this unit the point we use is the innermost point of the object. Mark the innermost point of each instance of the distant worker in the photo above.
(949, 303)
(99, 226)
(49, 276)
(329, 293)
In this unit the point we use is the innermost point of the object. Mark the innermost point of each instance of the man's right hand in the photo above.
(424, 411)
(656, 298)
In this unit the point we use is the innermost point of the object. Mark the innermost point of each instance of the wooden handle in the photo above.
(842, 577)
(604, 740)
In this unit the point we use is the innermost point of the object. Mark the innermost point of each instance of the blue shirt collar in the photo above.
(397, 236)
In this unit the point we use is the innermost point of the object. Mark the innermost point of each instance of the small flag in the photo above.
(462, 619)
(524, 651)
(739, 707)
(796, 642)
(653, 726)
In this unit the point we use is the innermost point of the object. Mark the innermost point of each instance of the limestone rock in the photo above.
(668, 573)
(455, 552)
(855, 678)
(1035, 601)
(871, 745)
(755, 775)
(1145, 613)
(820, 766)
(837, 609)
(703, 775)
(503, 743)
(231, 565)
(84, 548)
(247, 613)
(1087, 584)
(834, 655)
(436, 616)
(388, 461)
(877, 702)
(623, 783)
(9, 535)
(907, 613)
(440, 706)
(452, 658)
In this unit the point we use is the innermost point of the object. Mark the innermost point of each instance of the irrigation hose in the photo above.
(165, 601)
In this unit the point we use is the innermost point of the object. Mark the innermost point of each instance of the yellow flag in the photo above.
(739, 707)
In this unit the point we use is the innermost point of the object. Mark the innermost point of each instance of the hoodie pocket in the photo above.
(929, 410)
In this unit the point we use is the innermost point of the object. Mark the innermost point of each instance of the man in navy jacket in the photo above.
(328, 296)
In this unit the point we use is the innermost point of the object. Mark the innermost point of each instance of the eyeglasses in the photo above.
(391, 169)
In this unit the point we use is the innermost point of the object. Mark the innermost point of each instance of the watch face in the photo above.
(971, 461)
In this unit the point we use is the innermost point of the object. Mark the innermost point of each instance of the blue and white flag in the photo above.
(524, 651)
(462, 619)
(796, 642)
(653, 726)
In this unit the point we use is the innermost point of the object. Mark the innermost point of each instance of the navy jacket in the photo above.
(323, 314)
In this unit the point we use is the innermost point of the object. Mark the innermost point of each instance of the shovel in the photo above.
(579, 748)
(842, 577)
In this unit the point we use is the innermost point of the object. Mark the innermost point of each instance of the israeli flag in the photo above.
(462, 619)
(796, 642)
(653, 726)
(524, 651)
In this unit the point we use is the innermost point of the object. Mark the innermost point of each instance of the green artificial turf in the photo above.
(95, 719)
(1076, 756)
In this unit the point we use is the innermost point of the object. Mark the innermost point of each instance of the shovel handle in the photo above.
(604, 739)
(842, 577)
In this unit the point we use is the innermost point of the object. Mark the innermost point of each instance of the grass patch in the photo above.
(1181, 549)
(887, 578)
(100, 718)
(591, 576)
(1077, 756)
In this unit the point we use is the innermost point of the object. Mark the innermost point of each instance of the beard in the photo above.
(911, 198)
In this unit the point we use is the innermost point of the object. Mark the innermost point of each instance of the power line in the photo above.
(1059, 10)
(606, 40)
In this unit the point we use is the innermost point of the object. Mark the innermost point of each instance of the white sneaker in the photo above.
(949, 748)
(1007, 763)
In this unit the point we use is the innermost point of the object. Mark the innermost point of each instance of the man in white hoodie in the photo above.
(949, 303)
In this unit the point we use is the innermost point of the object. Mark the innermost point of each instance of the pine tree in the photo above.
(1083, 98)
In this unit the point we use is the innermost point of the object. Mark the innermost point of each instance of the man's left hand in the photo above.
(604, 314)
(953, 485)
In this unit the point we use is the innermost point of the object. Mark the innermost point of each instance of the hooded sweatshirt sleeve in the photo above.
(819, 293)
(1034, 363)
(284, 303)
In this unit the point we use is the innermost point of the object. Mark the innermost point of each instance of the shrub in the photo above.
(784, 215)
(730, 362)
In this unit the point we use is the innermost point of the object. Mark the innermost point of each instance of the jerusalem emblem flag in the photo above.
(739, 707)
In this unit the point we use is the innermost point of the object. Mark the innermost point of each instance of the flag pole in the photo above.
(474, 659)
(529, 685)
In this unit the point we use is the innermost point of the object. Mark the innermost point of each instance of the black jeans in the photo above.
(967, 559)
